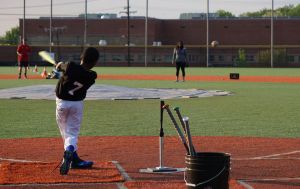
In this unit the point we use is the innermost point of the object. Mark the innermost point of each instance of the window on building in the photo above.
(233, 58)
(131, 58)
(141, 58)
(221, 58)
(156, 58)
(75, 58)
(168, 58)
(291, 58)
(249, 58)
(193, 58)
(189, 58)
(102, 58)
(116, 58)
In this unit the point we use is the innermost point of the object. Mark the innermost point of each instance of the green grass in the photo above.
(171, 71)
(255, 109)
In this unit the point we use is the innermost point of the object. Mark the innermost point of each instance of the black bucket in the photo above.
(207, 170)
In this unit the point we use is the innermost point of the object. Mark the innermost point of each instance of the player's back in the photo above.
(75, 82)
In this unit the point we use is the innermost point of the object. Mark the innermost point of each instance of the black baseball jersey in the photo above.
(75, 82)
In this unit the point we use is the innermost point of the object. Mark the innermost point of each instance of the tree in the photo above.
(295, 11)
(288, 10)
(279, 57)
(11, 37)
(241, 59)
(284, 11)
(223, 13)
(261, 13)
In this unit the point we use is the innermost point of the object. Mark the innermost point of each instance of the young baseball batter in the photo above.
(71, 90)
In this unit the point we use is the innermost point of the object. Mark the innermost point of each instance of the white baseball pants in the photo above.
(68, 118)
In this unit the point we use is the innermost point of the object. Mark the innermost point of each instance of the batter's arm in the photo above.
(61, 66)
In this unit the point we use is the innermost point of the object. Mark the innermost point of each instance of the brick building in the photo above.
(231, 31)
(251, 35)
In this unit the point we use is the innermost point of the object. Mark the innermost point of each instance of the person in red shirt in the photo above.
(23, 52)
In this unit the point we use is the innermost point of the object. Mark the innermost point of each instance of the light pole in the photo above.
(24, 4)
(85, 25)
(207, 35)
(128, 34)
(128, 30)
(272, 34)
(146, 34)
(50, 27)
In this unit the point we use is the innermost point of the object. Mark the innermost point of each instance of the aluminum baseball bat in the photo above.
(47, 57)
(180, 118)
(187, 127)
(183, 125)
(179, 132)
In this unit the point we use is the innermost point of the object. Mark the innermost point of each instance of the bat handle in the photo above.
(180, 118)
(190, 142)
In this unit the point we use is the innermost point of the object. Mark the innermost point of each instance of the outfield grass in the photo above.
(171, 71)
(255, 109)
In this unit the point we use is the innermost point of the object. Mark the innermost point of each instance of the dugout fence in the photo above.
(221, 56)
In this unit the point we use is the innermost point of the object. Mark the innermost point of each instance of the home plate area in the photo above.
(103, 175)
(110, 92)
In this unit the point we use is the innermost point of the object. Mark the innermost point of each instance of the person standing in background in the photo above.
(180, 58)
(23, 52)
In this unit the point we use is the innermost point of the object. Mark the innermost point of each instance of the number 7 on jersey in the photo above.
(79, 85)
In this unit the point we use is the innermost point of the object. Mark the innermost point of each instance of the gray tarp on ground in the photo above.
(109, 92)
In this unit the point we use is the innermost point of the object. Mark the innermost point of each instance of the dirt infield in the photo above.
(276, 79)
(260, 163)
(256, 163)
(39, 172)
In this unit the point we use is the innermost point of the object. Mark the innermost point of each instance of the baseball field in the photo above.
(258, 125)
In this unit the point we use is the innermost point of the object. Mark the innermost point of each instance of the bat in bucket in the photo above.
(188, 133)
(179, 132)
(183, 126)
(180, 118)
(47, 57)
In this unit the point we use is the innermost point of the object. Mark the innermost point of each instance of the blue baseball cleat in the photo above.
(68, 157)
(78, 163)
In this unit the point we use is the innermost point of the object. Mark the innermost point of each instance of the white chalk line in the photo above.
(20, 160)
(246, 159)
(272, 179)
(244, 184)
(122, 171)
(271, 157)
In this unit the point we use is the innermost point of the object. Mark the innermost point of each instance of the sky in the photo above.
(12, 10)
